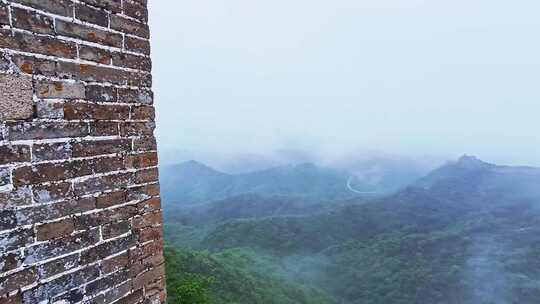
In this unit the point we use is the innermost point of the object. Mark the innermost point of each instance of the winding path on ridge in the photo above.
(349, 186)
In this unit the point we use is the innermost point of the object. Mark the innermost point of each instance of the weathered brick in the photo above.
(40, 173)
(95, 54)
(92, 15)
(10, 261)
(50, 212)
(143, 192)
(58, 266)
(137, 128)
(55, 230)
(105, 216)
(115, 229)
(8, 220)
(50, 109)
(110, 5)
(135, 297)
(100, 147)
(103, 183)
(60, 285)
(52, 191)
(14, 154)
(143, 113)
(72, 296)
(52, 151)
(4, 14)
(150, 234)
(31, 21)
(59, 7)
(148, 277)
(17, 280)
(46, 130)
(151, 219)
(107, 249)
(144, 144)
(132, 61)
(104, 128)
(15, 97)
(135, 10)
(149, 205)
(16, 239)
(13, 299)
(113, 294)
(92, 73)
(141, 252)
(146, 176)
(44, 45)
(15, 198)
(101, 93)
(36, 66)
(88, 33)
(47, 250)
(111, 199)
(106, 282)
(5, 176)
(137, 45)
(116, 263)
(83, 111)
(58, 89)
(141, 160)
(129, 26)
(136, 96)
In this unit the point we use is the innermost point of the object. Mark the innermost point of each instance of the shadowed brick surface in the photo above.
(80, 213)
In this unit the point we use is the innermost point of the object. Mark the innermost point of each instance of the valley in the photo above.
(465, 232)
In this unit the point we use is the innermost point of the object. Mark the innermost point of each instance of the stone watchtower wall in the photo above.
(80, 217)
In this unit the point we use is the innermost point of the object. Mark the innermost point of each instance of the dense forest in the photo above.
(467, 232)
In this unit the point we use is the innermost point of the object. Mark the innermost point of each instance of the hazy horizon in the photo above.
(413, 78)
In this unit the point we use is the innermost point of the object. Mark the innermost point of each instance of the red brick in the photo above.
(84, 111)
(37, 44)
(31, 21)
(129, 26)
(91, 15)
(137, 45)
(59, 89)
(132, 61)
(104, 128)
(114, 264)
(14, 154)
(54, 211)
(46, 130)
(59, 7)
(110, 5)
(152, 204)
(36, 66)
(135, 10)
(53, 151)
(103, 183)
(101, 93)
(136, 96)
(111, 199)
(100, 147)
(151, 219)
(4, 14)
(52, 191)
(150, 234)
(137, 128)
(146, 176)
(17, 280)
(144, 144)
(95, 54)
(88, 33)
(115, 229)
(55, 230)
(142, 160)
(143, 113)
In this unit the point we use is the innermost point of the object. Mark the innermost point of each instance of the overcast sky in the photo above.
(403, 76)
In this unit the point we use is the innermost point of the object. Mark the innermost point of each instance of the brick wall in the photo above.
(80, 217)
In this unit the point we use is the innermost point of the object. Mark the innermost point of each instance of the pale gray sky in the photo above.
(402, 76)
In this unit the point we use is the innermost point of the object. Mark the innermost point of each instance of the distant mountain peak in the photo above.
(471, 162)
(196, 167)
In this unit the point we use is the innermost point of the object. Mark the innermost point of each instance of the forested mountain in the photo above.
(468, 232)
